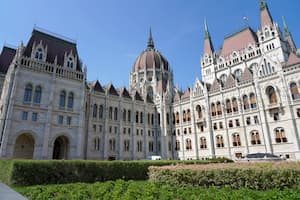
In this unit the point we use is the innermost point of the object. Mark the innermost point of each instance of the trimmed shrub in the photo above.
(34, 172)
(5, 171)
(127, 190)
(251, 176)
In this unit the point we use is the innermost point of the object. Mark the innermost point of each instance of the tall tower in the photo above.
(288, 37)
(208, 59)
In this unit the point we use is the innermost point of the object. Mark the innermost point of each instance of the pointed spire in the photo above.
(285, 28)
(208, 46)
(206, 30)
(150, 40)
(265, 16)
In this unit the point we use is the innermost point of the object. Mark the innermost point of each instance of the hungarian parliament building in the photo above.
(247, 101)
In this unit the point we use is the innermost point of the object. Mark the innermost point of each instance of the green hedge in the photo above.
(128, 190)
(33, 172)
(258, 178)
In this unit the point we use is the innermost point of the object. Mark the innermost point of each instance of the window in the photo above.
(184, 131)
(168, 118)
(230, 124)
(100, 128)
(190, 130)
(116, 129)
(100, 111)
(137, 117)
(219, 108)
(238, 74)
(137, 132)
(177, 145)
(34, 116)
(126, 145)
(271, 95)
(28, 93)
(203, 144)
(248, 121)
(24, 115)
(255, 139)
(184, 116)
(221, 125)
(141, 117)
(177, 117)
(237, 123)
(96, 144)
(94, 128)
(276, 116)
(112, 144)
(124, 115)
(39, 54)
(128, 131)
(298, 112)
(245, 102)
(236, 140)
(158, 146)
(62, 99)
(234, 105)
(152, 119)
(215, 126)
(220, 141)
(255, 118)
(37, 95)
(110, 113)
(70, 63)
(129, 116)
(280, 136)
(213, 109)
(199, 111)
(188, 115)
(252, 100)
(188, 144)
(110, 129)
(71, 100)
(139, 146)
(60, 119)
(228, 106)
(150, 147)
(116, 114)
(294, 91)
(95, 109)
(69, 120)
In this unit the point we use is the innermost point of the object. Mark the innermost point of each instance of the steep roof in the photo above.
(186, 94)
(56, 47)
(246, 75)
(125, 93)
(265, 16)
(238, 41)
(215, 86)
(112, 90)
(292, 60)
(230, 82)
(97, 86)
(6, 57)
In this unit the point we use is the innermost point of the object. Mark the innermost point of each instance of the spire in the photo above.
(206, 30)
(288, 36)
(265, 16)
(285, 28)
(150, 40)
(208, 46)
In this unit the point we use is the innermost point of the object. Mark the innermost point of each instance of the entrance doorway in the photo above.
(61, 148)
(24, 146)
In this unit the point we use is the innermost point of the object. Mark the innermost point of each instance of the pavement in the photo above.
(6, 193)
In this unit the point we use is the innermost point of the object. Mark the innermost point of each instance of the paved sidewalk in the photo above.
(6, 193)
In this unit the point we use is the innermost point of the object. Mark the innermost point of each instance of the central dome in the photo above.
(150, 59)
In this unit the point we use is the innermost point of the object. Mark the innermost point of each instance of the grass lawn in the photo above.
(129, 190)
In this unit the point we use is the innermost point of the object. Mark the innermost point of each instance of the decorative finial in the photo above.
(263, 4)
(206, 29)
(285, 27)
(150, 40)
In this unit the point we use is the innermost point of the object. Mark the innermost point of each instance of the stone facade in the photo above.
(248, 101)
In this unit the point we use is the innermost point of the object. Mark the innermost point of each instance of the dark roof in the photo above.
(97, 86)
(137, 96)
(6, 57)
(112, 90)
(55, 47)
(125, 93)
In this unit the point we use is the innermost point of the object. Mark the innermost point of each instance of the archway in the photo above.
(61, 148)
(24, 146)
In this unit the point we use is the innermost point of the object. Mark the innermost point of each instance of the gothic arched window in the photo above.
(62, 99)
(28, 93)
(37, 95)
(70, 100)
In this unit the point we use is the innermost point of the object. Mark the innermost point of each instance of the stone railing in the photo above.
(50, 68)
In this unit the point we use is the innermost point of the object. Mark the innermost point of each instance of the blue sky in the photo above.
(110, 34)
